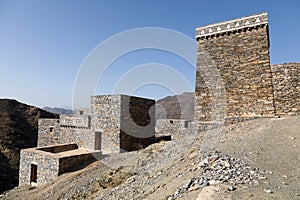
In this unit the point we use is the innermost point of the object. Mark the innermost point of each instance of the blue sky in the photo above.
(44, 43)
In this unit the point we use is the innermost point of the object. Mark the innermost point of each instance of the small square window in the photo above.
(51, 129)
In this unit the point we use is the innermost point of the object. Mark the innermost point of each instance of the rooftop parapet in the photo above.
(232, 25)
(75, 121)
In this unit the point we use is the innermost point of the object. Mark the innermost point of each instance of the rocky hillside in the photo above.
(257, 160)
(18, 130)
(176, 107)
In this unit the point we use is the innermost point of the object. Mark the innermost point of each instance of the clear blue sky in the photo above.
(43, 43)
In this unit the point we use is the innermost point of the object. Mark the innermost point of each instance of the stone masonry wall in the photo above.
(81, 136)
(52, 132)
(239, 49)
(48, 132)
(58, 148)
(173, 127)
(137, 122)
(76, 162)
(47, 167)
(286, 85)
(80, 121)
(76, 129)
(105, 111)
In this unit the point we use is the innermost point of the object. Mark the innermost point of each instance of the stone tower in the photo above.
(233, 79)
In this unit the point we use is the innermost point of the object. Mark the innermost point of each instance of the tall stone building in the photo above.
(234, 78)
(233, 68)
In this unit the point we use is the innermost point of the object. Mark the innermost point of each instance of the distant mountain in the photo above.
(59, 110)
(18, 130)
(176, 107)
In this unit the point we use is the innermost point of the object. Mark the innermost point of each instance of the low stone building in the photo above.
(41, 165)
(113, 124)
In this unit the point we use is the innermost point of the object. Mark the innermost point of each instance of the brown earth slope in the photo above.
(176, 107)
(18, 130)
(268, 146)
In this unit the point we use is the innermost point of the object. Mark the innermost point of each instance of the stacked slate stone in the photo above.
(286, 85)
(233, 78)
(220, 168)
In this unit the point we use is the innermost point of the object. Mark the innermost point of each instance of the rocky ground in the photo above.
(257, 159)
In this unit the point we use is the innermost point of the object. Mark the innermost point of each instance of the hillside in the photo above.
(18, 130)
(176, 107)
(58, 110)
(256, 160)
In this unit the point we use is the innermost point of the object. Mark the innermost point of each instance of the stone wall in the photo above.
(75, 121)
(286, 85)
(48, 132)
(58, 148)
(76, 129)
(137, 122)
(105, 111)
(238, 51)
(76, 162)
(47, 167)
(173, 127)
(83, 137)
(65, 133)
(82, 111)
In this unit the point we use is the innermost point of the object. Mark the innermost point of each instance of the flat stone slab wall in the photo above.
(137, 123)
(173, 127)
(106, 113)
(59, 148)
(286, 84)
(48, 132)
(76, 121)
(77, 162)
(170, 126)
(239, 51)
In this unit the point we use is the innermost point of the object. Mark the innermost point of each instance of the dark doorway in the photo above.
(98, 138)
(33, 173)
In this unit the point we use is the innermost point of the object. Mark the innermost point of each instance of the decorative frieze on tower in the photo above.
(232, 25)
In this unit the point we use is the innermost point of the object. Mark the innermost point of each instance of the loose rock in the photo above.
(218, 168)
(268, 191)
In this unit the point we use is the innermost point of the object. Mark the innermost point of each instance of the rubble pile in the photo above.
(219, 168)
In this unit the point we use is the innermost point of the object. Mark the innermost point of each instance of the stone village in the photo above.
(250, 88)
